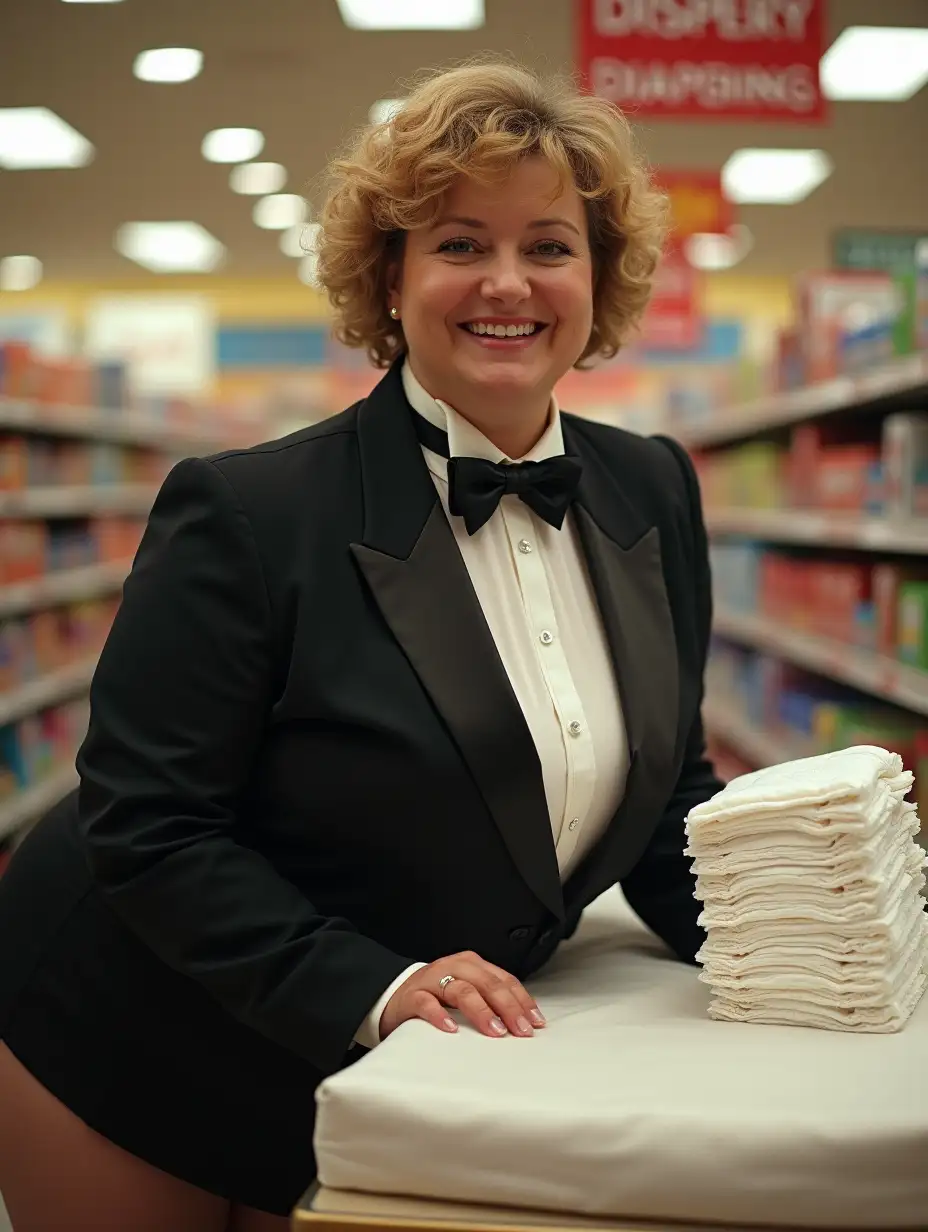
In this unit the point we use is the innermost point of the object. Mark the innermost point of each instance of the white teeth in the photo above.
(502, 331)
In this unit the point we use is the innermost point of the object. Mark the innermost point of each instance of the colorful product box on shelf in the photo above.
(845, 478)
(14, 463)
(16, 370)
(16, 659)
(107, 463)
(913, 624)
(22, 551)
(867, 346)
(869, 724)
(905, 453)
(735, 574)
(116, 539)
(45, 641)
(844, 599)
(836, 464)
(888, 580)
(64, 383)
(827, 302)
(789, 365)
(36, 746)
(12, 763)
(109, 386)
(70, 545)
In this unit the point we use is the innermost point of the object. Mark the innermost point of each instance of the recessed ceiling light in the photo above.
(279, 212)
(875, 63)
(718, 250)
(256, 179)
(168, 64)
(232, 145)
(774, 177)
(34, 138)
(20, 273)
(299, 241)
(412, 14)
(170, 247)
(383, 111)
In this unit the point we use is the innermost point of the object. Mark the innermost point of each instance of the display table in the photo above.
(331, 1210)
(633, 1105)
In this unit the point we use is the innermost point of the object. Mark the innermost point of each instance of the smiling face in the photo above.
(496, 296)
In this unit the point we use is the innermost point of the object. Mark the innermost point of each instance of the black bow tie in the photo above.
(476, 485)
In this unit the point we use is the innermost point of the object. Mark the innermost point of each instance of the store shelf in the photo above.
(900, 380)
(48, 690)
(759, 747)
(120, 427)
(876, 674)
(29, 805)
(67, 586)
(809, 527)
(76, 502)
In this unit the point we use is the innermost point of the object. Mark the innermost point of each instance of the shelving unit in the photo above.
(899, 384)
(78, 502)
(877, 674)
(68, 586)
(18, 600)
(120, 427)
(48, 690)
(900, 380)
(811, 528)
(757, 746)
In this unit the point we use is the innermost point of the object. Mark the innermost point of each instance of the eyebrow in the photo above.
(476, 225)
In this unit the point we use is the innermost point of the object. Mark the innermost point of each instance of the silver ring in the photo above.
(444, 982)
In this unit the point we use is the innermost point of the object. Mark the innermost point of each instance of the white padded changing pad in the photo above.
(633, 1103)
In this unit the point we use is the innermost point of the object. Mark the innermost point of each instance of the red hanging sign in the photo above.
(697, 202)
(727, 59)
(674, 319)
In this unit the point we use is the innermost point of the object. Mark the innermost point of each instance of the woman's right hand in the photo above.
(489, 997)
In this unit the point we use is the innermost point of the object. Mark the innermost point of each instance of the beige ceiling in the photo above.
(291, 69)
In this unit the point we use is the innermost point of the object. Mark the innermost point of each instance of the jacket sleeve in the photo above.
(660, 888)
(179, 703)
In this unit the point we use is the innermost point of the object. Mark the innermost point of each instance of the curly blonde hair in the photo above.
(476, 120)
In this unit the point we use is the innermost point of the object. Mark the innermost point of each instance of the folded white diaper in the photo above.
(810, 877)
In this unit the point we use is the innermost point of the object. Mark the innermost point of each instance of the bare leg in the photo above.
(247, 1219)
(56, 1172)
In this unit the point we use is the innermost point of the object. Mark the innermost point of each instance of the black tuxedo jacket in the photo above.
(306, 767)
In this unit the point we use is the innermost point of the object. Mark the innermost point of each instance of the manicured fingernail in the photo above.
(497, 1026)
(525, 1027)
(537, 1018)
(449, 1024)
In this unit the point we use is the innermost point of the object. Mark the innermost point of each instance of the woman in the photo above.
(372, 727)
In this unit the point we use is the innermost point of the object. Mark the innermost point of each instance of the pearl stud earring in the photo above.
(395, 313)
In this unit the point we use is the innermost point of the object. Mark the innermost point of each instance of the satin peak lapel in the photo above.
(418, 578)
(624, 560)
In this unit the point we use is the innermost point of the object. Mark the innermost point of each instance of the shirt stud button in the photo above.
(575, 727)
(574, 822)
(546, 637)
(524, 547)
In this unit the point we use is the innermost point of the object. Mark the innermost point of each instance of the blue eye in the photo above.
(555, 248)
(457, 245)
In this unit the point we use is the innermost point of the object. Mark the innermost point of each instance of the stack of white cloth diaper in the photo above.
(810, 876)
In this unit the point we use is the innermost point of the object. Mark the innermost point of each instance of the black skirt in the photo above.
(140, 1053)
